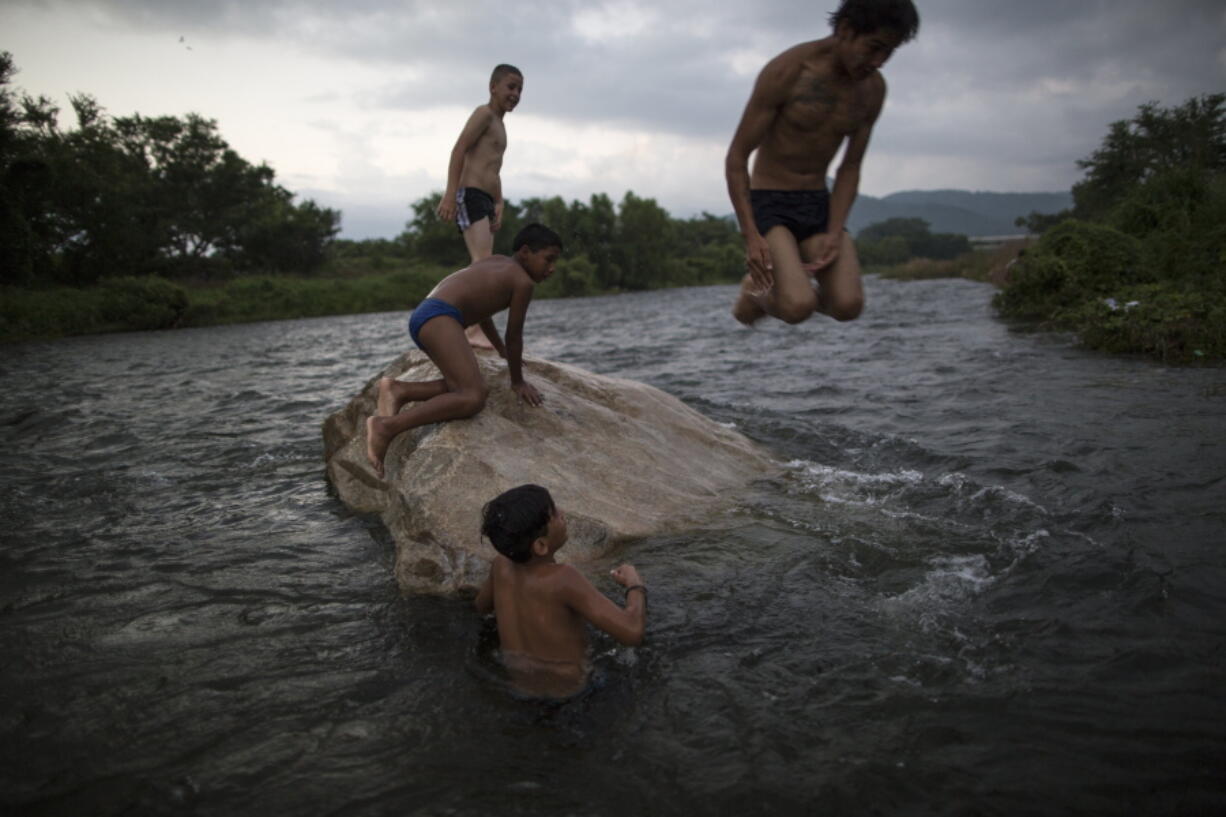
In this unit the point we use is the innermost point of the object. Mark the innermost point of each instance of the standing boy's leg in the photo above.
(465, 393)
(479, 239)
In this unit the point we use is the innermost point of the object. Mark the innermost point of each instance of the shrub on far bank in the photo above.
(150, 302)
(976, 265)
(1105, 285)
(119, 304)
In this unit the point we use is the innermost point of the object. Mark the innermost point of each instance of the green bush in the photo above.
(145, 302)
(1074, 262)
(1156, 320)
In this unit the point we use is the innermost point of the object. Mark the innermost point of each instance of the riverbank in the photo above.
(128, 304)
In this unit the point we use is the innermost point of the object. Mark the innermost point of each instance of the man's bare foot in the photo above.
(386, 406)
(477, 338)
(376, 445)
(747, 308)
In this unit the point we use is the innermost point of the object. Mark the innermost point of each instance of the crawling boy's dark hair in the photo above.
(515, 518)
(536, 237)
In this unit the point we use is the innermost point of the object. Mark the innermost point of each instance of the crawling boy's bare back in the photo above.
(485, 288)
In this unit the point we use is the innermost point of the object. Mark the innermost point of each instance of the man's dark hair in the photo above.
(536, 237)
(502, 70)
(514, 519)
(867, 16)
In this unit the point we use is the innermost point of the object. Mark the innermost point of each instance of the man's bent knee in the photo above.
(795, 310)
(846, 309)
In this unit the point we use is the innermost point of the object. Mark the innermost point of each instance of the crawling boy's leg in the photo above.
(395, 393)
(463, 396)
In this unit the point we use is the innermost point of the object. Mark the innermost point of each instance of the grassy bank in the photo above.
(981, 265)
(132, 303)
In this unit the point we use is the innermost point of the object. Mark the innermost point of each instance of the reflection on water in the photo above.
(989, 579)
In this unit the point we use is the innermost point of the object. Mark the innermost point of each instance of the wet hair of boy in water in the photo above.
(536, 237)
(867, 16)
(514, 519)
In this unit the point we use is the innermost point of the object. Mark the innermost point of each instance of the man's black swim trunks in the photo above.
(804, 212)
(472, 205)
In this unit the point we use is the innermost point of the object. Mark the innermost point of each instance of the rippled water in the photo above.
(992, 580)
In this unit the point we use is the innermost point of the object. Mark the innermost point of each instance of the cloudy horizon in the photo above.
(358, 106)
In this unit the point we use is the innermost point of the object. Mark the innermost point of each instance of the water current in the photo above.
(990, 580)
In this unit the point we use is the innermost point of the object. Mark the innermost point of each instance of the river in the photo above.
(990, 580)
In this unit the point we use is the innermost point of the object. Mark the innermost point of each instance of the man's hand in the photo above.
(496, 222)
(528, 393)
(758, 259)
(446, 208)
(828, 245)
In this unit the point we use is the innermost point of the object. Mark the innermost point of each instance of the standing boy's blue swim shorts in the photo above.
(427, 309)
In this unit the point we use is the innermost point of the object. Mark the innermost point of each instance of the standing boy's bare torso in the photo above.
(483, 162)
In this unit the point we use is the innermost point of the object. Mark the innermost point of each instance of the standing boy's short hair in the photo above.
(501, 70)
(536, 237)
(865, 16)
(514, 519)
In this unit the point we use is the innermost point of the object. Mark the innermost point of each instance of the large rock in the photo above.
(622, 458)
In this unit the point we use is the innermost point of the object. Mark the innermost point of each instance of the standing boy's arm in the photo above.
(473, 128)
(626, 624)
(516, 314)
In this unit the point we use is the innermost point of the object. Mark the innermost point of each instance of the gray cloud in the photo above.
(1017, 90)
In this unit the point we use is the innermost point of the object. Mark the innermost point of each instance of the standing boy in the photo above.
(543, 607)
(806, 102)
(474, 188)
(469, 297)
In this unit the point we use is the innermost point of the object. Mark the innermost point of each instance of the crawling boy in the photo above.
(541, 606)
(471, 296)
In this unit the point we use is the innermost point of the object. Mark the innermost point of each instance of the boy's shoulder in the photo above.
(501, 265)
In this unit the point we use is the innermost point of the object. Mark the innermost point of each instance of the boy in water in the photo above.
(542, 606)
(473, 198)
(806, 102)
(469, 297)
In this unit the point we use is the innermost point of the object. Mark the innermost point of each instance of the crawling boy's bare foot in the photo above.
(477, 338)
(376, 445)
(386, 406)
(747, 309)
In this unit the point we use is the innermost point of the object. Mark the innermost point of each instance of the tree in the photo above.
(644, 243)
(1190, 136)
(879, 243)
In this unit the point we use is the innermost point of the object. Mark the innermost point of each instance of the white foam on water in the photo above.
(950, 582)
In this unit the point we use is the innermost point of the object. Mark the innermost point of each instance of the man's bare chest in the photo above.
(815, 103)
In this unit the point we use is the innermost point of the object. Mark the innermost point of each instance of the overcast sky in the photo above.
(357, 104)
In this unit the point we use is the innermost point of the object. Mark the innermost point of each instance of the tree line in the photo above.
(136, 195)
(1138, 264)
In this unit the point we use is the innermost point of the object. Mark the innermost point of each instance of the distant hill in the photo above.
(957, 211)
